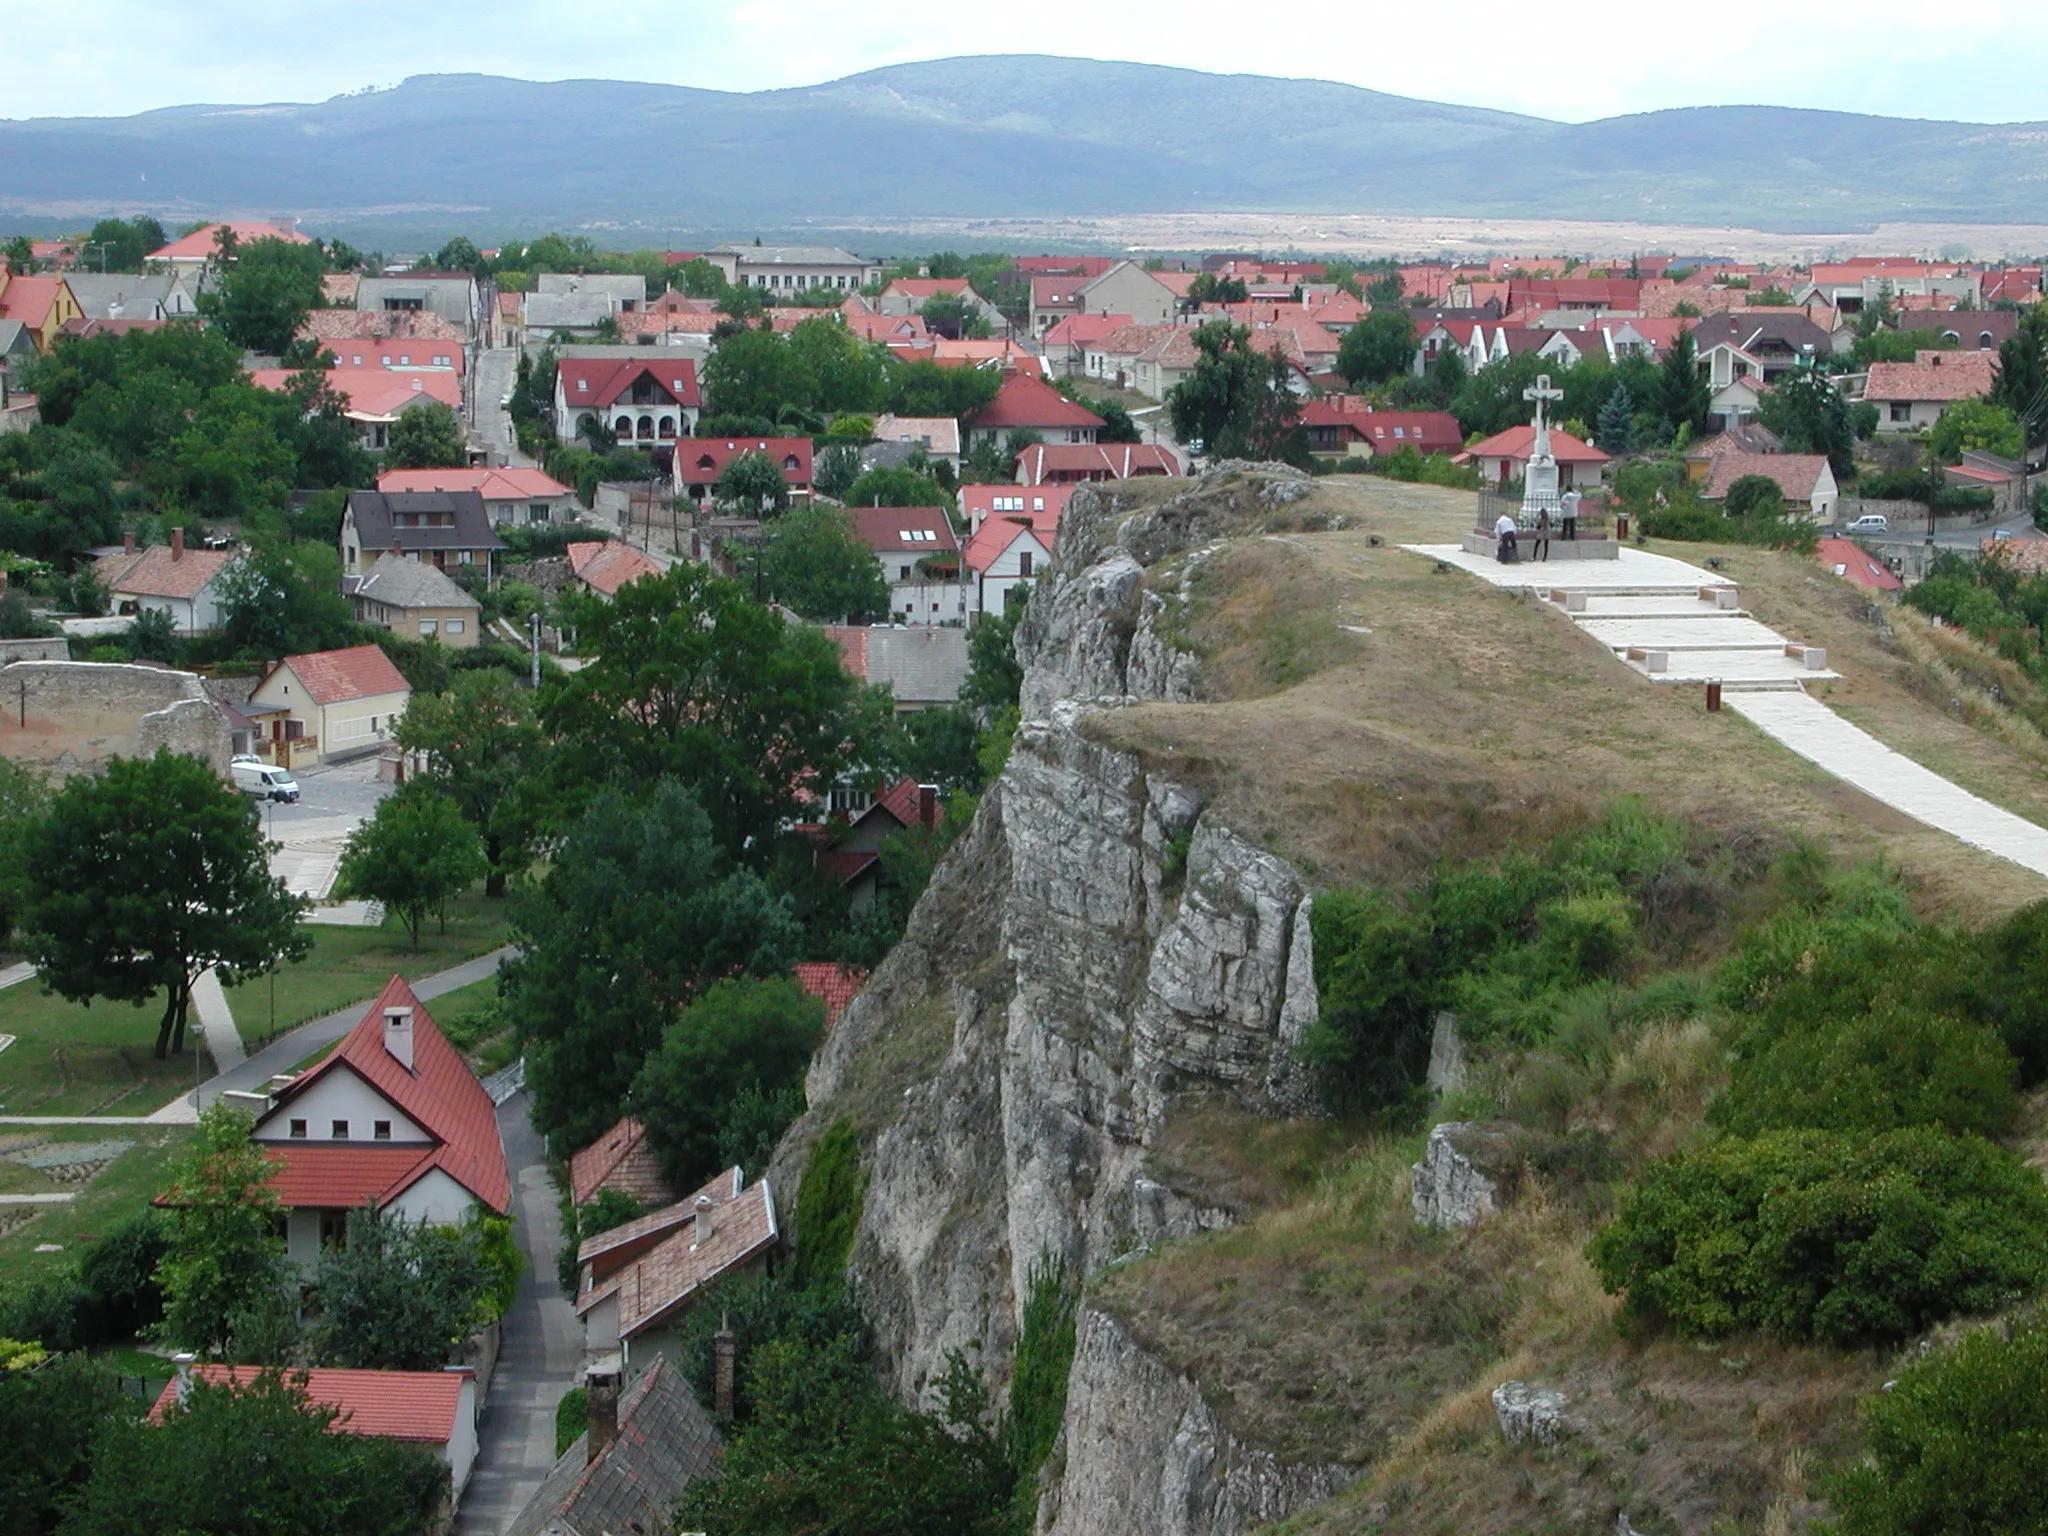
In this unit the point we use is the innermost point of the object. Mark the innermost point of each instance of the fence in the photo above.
(1592, 511)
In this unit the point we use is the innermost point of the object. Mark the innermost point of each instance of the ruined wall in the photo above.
(71, 716)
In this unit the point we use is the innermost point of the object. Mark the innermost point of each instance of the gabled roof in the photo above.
(1080, 330)
(30, 299)
(505, 484)
(1934, 376)
(905, 530)
(1519, 443)
(658, 1283)
(599, 381)
(459, 520)
(700, 460)
(1039, 501)
(927, 287)
(608, 1250)
(1796, 475)
(374, 392)
(201, 243)
(412, 324)
(833, 985)
(438, 1092)
(1026, 401)
(1114, 461)
(418, 1406)
(1854, 564)
(620, 1159)
(334, 677)
(939, 434)
(398, 582)
(160, 571)
(994, 536)
(605, 565)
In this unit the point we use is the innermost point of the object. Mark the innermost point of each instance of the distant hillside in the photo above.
(994, 137)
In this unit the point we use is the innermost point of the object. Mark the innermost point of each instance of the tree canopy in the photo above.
(483, 749)
(414, 855)
(1378, 348)
(221, 1254)
(427, 436)
(816, 566)
(264, 292)
(1237, 401)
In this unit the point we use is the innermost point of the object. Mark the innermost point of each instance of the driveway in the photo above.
(541, 1354)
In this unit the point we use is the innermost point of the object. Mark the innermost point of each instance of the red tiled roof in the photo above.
(926, 287)
(605, 565)
(1934, 375)
(366, 324)
(661, 1281)
(1794, 474)
(1039, 501)
(699, 460)
(598, 381)
(340, 1175)
(832, 985)
(852, 640)
(419, 1406)
(359, 672)
(1094, 461)
(607, 1251)
(506, 484)
(201, 242)
(1855, 565)
(396, 352)
(620, 1159)
(28, 299)
(891, 530)
(1025, 401)
(157, 572)
(1079, 330)
(374, 393)
(439, 1093)
(998, 533)
(1518, 442)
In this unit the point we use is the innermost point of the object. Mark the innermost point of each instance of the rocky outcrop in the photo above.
(1465, 1175)
(1529, 1414)
(1142, 1451)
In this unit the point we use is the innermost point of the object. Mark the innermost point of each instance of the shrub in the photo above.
(1829, 1237)
(606, 1209)
(1371, 1035)
(1038, 1384)
(118, 1274)
(572, 1417)
(1958, 1445)
(828, 1204)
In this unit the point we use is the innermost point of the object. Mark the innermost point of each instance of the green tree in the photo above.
(637, 914)
(689, 678)
(428, 436)
(751, 485)
(752, 373)
(1237, 401)
(1686, 394)
(483, 749)
(833, 369)
(897, 486)
(24, 799)
(1809, 415)
(922, 387)
(264, 292)
(1615, 430)
(144, 878)
(994, 674)
(413, 855)
(1490, 400)
(122, 244)
(49, 1418)
(459, 255)
(835, 467)
(954, 315)
(2022, 382)
(1387, 291)
(1976, 424)
(398, 1295)
(221, 1248)
(1754, 494)
(258, 1460)
(737, 1034)
(816, 566)
(1378, 348)
(285, 600)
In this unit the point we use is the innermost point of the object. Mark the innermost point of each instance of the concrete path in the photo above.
(1854, 756)
(38, 1199)
(348, 914)
(542, 1353)
(1636, 571)
(217, 1023)
(15, 975)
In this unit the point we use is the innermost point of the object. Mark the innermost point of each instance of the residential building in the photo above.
(644, 401)
(1007, 553)
(374, 397)
(1971, 330)
(620, 1160)
(1149, 298)
(922, 667)
(787, 268)
(1342, 425)
(454, 296)
(1910, 397)
(447, 354)
(627, 291)
(433, 1409)
(1505, 456)
(328, 706)
(1856, 565)
(1026, 403)
(849, 844)
(442, 528)
(203, 244)
(514, 497)
(414, 599)
(132, 296)
(1055, 296)
(938, 436)
(167, 578)
(1074, 463)
(909, 295)
(920, 559)
(391, 1118)
(641, 1450)
(41, 304)
(833, 985)
(338, 327)
(978, 503)
(1805, 480)
(637, 1280)
(700, 461)
(1064, 345)
(602, 566)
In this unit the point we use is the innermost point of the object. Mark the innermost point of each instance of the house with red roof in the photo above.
(327, 706)
(645, 402)
(374, 397)
(1910, 397)
(1856, 565)
(41, 304)
(434, 1409)
(1064, 346)
(1805, 480)
(510, 494)
(620, 1160)
(1505, 456)
(909, 295)
(700, 461)
(390, 1117)
(1343, 425)
(833, 985)
(920, 559)
(1007, 553)
(1078, 463)
(977, 503)
(636, 1281)
(203, 244)
(849, 844)
(399, 352)
(1026, 403)
(603, 566)
(167, 578)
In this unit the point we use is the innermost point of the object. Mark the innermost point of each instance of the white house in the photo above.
(920, 558)
(390, 1117)
(1009, 550)
(787, 268)
(167, 578)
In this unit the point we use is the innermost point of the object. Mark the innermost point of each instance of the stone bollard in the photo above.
(1529, 1414)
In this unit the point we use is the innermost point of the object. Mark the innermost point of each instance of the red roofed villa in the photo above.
(327, 706)
(510, 495)
(643, 402)
(620, 1159)
(1026, 403)
(1077, 463)
(700, 461)
(203, 244)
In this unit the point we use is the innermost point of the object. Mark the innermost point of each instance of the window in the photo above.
(537, 512)
(340, 1130)
(334, 1229)
(427, 627)
(468, 557)
(1024, 563)
(582, 386)
(298, 1130)
(1902, 410)
(356, 361)
(380, 1130)
(903, 573)
(453, 627)
(405, 361)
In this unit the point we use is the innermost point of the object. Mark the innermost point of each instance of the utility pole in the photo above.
(533, 636)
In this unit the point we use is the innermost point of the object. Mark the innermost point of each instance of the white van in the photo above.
(253, 777)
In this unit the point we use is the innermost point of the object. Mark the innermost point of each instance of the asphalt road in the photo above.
(495, 370)
(347, 791)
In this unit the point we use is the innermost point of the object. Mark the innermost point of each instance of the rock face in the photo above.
(1460, 1179)
(1094, 951)
(1529, 1414)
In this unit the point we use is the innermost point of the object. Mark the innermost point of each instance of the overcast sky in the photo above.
(1987, 63)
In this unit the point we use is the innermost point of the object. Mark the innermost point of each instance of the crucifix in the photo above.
(1542, 392)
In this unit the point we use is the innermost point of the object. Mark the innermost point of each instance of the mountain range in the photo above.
(993, 137)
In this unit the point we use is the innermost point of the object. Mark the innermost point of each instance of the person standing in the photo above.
(1569, 505)
(1542, 549)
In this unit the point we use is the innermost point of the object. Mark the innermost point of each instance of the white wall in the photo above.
(302, 1239)
(340, 1095)
(435, 1197)
(461, 1448)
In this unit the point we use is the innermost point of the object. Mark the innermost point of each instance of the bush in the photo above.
(1827, 1237)
(1958, 1445)
(118, 1275)
(1371, 1036)
(828, 1204)
(607, 1209)
(758, 1311)
(572, 1417)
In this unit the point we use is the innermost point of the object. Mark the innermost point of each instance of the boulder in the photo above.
(1467, 1173)
(1529, 1414)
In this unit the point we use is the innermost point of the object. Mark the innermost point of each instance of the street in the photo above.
(496, 368)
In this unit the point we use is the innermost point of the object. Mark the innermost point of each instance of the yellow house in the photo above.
(410, 598)
(328, 705)
(41, 304)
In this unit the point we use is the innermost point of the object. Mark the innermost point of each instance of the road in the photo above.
(543, 1348)
(496, 367)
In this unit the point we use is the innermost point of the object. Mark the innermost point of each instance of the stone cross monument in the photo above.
(1539, 481)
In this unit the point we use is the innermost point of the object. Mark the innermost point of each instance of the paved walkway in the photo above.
(1636, 571)
(543, 1348)
(38, 1199)
(1814, 731)
(14, 975)
(217, 1023)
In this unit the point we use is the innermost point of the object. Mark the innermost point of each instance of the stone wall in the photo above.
(49, 648)
(71, 716)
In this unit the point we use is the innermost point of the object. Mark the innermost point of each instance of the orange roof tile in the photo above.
(161, 572)
(419, 1406)
(506, 484)
(202, 242)
(1934, 375)
(359, 672)
(832, 985)
(620, 1159)
(1025, 401)
(661, 1281)
(1518, 443)
(605, 565)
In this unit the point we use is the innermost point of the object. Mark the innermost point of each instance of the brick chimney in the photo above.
(601, 1402)
(398, 1035)
(722, 1351)
(127, 543)
(177, 543)
(928, 805)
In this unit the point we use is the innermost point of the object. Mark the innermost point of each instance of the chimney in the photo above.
(700, 1226)
(398, 1035)
(601, 1401)
(928, 805)
(183, 1379)
(722, 1347)
(177, 543)
(127, 543)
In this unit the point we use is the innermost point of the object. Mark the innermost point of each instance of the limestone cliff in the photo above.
(1094, 952)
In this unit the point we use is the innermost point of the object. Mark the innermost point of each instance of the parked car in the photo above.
(254, 777)
(1870, 522)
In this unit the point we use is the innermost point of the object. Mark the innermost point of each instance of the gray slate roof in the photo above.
(569, 310)
(793, 255)
(620, 285)
(410, 584)
(372, 512)
(119, 295)
(666, 1441)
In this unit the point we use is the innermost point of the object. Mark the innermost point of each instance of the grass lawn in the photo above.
(75, 1059)
(350, 965)
(123, 1187)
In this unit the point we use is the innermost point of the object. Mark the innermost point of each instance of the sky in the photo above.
(92, 58)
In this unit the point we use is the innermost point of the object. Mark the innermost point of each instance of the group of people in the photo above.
(1509, 534)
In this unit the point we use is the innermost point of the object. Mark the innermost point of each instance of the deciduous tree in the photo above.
(483, 749)
(427, 436)
(264, 292)
(751, 485)
(1378, 348)
(817, 567)
(221, 1252)
(398, 1295)
(413, 855)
